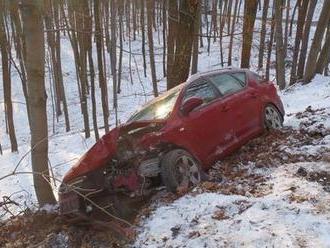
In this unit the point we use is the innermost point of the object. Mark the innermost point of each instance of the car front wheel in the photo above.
(272, 118)
(179, 170)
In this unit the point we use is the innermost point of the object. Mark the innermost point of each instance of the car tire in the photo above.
(273, 119)
(180, 170)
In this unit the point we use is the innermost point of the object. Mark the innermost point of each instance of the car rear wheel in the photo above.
(179, 170)
(272, 118)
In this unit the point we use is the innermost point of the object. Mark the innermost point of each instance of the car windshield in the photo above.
(159, 108)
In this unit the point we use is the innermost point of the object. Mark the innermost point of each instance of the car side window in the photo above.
(200, 89)
(240, 76)
(227, 83)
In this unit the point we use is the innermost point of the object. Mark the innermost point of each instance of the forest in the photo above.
(72, 70)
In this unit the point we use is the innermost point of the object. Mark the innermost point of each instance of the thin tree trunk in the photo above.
(270, 43)
(101, 70)
(317, 42)
(286, 30)
(113, 56)
(194, 63)
(300, 28)
(142, 20)
(305, 38)
(324, 54)
(280, 66)
(35, 62)
(18, 40)
(263, 34)
(120, 63)
(164, 36)
(232, 33)
(150, 6)
(6, 75)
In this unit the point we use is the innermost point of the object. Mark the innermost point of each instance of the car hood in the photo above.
(106, 148)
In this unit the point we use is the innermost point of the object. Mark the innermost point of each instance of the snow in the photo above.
(316, 94)
(270, 221)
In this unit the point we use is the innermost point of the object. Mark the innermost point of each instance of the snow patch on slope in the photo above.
(296, 213)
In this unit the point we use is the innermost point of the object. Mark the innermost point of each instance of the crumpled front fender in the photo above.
(96, 157)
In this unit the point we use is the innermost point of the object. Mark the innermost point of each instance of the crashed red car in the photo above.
(174, 138)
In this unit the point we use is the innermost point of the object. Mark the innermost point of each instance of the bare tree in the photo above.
(232, 33)
(325, 54)
(280, 66)
(35, 57)
(150, 6)
(305, 39)
(183, 24)
(250, 11)
(300, 25)
(263, 34)
(317, 42)
(6, 74)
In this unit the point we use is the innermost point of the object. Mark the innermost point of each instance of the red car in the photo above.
(175, 137)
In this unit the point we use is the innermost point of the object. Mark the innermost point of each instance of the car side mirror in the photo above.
(191, 104)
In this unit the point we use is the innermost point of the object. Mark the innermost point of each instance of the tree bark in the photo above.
(317, 42)
(232, 33)
(6, 75)
(185, 26)
(263, 34)
(35, 62)
(300, 27)
(194, 63)
(280, 66)
(305, 39)
(250, 11)
(325, 54)
(150, 6)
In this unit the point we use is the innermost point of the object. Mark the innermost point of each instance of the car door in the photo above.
(240, 101)
(205, 127)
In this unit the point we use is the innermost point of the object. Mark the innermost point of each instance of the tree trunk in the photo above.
(286, 30)
(18, 40)
(317, 42)
(6, 75)
(270, 43)
(113, 56)
(300, 28)
(232, 33)
(250, 11)
(150, 6)
(305, 39)
(101, 70)
(35, 62)
(180, 64)
(325, 53)
(263, 34)
(194, 63)
(280, 66)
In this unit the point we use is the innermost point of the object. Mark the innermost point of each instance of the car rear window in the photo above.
(227, 83)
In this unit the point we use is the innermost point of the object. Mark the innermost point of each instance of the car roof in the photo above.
(212, 72)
